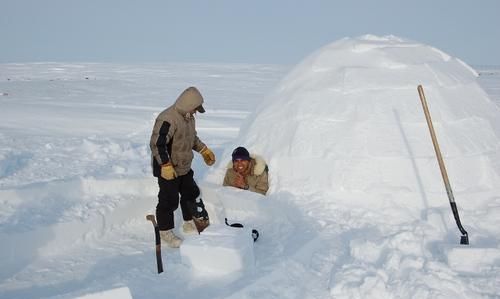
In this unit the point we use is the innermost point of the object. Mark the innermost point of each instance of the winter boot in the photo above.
(200, 215)
(188, 227)
(170, 238)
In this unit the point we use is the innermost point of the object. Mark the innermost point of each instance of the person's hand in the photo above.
(168, 171)
(208, 156)
(239, 181)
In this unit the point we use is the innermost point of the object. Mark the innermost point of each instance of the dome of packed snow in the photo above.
(348, 119)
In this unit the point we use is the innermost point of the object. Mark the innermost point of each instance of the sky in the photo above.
(233, 31)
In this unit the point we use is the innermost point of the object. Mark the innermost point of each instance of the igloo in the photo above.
(348, 119)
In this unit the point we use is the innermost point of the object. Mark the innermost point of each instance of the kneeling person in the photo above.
(245, 171)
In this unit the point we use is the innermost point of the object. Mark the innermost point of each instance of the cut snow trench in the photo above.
(30, 240)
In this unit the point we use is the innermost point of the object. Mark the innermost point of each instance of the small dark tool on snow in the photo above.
(255, 233)
(464, 240)
(157, 242)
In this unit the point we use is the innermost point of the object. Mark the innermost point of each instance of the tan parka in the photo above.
(174, 134)
(257, 179)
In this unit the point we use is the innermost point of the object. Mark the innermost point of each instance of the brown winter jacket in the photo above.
(257, 179)
(174, 134)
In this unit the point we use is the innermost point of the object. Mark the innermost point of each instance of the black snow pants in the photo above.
(168, 199)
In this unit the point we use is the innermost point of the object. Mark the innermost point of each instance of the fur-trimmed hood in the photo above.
(189, 99)
(258, 167)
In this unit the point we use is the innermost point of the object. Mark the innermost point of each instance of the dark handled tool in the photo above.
(157, 242)
(464, 240)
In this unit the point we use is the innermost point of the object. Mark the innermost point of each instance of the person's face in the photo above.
(240, 166)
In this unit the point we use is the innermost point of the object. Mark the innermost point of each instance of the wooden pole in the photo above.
(465, 237)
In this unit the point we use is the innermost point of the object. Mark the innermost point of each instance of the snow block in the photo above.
(219, 250)
(470, 259)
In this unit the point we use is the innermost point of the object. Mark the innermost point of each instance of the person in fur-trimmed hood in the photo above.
(172, 143)
(248, 172)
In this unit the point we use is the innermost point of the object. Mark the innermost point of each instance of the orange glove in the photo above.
(208, 156)
(168, 171)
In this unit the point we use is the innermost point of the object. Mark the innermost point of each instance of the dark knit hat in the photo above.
(241, 153)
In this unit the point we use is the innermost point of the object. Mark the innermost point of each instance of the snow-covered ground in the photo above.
(75, 185)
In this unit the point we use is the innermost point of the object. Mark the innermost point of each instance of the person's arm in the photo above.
(160, 139)
(198, 144)
(235, 180)
(205, 152)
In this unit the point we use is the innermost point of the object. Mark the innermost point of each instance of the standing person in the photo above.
(248, 172)
(172, 143)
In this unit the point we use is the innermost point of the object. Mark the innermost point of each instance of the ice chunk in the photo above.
(470, 259)
(219, 250)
